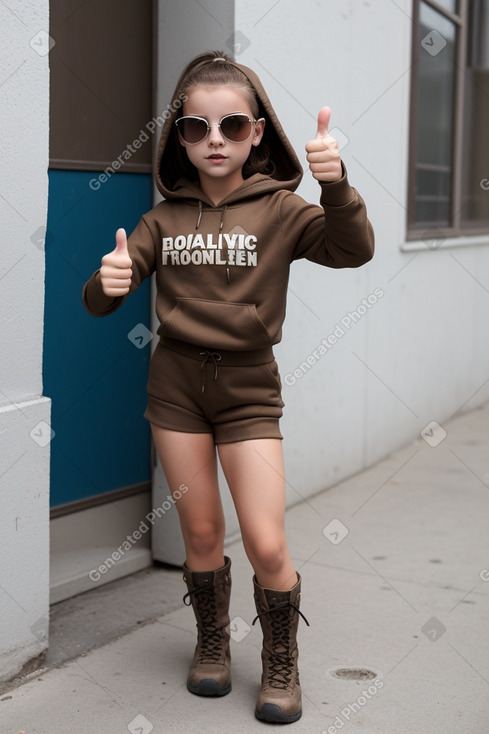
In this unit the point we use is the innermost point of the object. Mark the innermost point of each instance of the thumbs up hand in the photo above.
(322, 153)
(115, 272)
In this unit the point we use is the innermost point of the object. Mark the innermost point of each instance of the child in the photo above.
(221, 245)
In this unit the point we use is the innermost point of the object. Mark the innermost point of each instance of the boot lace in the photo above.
(281, 662)
(211, 634)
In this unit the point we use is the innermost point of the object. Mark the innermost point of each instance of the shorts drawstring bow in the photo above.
(216, 357)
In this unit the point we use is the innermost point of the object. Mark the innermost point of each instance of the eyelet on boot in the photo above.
(209, 673)
(280, 698)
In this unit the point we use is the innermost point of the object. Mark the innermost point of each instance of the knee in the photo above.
(269, 555)
(205, 538)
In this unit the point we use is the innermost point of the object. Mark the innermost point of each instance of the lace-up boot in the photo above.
(280, 698)
(209, 594)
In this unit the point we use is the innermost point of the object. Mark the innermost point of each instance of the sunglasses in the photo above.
(236, 128)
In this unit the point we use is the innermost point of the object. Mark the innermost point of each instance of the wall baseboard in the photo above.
(99, 544)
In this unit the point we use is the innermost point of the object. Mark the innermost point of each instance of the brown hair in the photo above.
(215, 69)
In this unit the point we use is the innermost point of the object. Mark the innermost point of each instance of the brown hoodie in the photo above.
(222, 271)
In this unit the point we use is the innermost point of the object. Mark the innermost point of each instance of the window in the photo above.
(449, 146)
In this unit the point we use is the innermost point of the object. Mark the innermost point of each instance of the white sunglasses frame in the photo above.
(209, 127)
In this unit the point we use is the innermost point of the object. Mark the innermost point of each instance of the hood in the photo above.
(169, 175)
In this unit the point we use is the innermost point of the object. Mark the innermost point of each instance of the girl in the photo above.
(221, 245)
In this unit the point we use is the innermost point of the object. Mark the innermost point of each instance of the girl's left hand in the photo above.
(323, 155)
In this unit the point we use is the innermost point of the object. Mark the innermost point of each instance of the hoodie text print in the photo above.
(240, 249)
(222, 271)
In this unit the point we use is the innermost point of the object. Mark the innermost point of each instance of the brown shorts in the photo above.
(233, 395)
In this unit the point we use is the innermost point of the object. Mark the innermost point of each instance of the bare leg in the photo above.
(254, 470)
(190, 459)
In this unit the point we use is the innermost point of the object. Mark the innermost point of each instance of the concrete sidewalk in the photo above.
(394, 563)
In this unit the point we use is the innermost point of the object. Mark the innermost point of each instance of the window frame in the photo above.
(416, 231)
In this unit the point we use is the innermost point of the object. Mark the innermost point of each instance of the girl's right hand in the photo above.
(115, 272)
(323, 152)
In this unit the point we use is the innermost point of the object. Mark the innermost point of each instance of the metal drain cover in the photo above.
(354, 674)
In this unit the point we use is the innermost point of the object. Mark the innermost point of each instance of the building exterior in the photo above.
(370, 359)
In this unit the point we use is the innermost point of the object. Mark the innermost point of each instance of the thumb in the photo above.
(323, 122)
(121, 242)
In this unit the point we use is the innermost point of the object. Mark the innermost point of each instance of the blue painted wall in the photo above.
(94, 374)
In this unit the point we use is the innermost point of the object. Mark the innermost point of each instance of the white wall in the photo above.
(24, 458)
(420, 352)
(185, 29)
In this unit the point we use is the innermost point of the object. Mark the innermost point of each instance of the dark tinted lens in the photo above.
(236, 127)
(192, 129)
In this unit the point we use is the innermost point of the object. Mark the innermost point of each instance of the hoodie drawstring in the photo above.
(221, 225)
(200, 215)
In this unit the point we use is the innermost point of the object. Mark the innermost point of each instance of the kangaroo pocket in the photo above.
(219, 324)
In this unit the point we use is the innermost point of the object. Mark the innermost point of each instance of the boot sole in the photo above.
(273, 714)
(208, 687)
